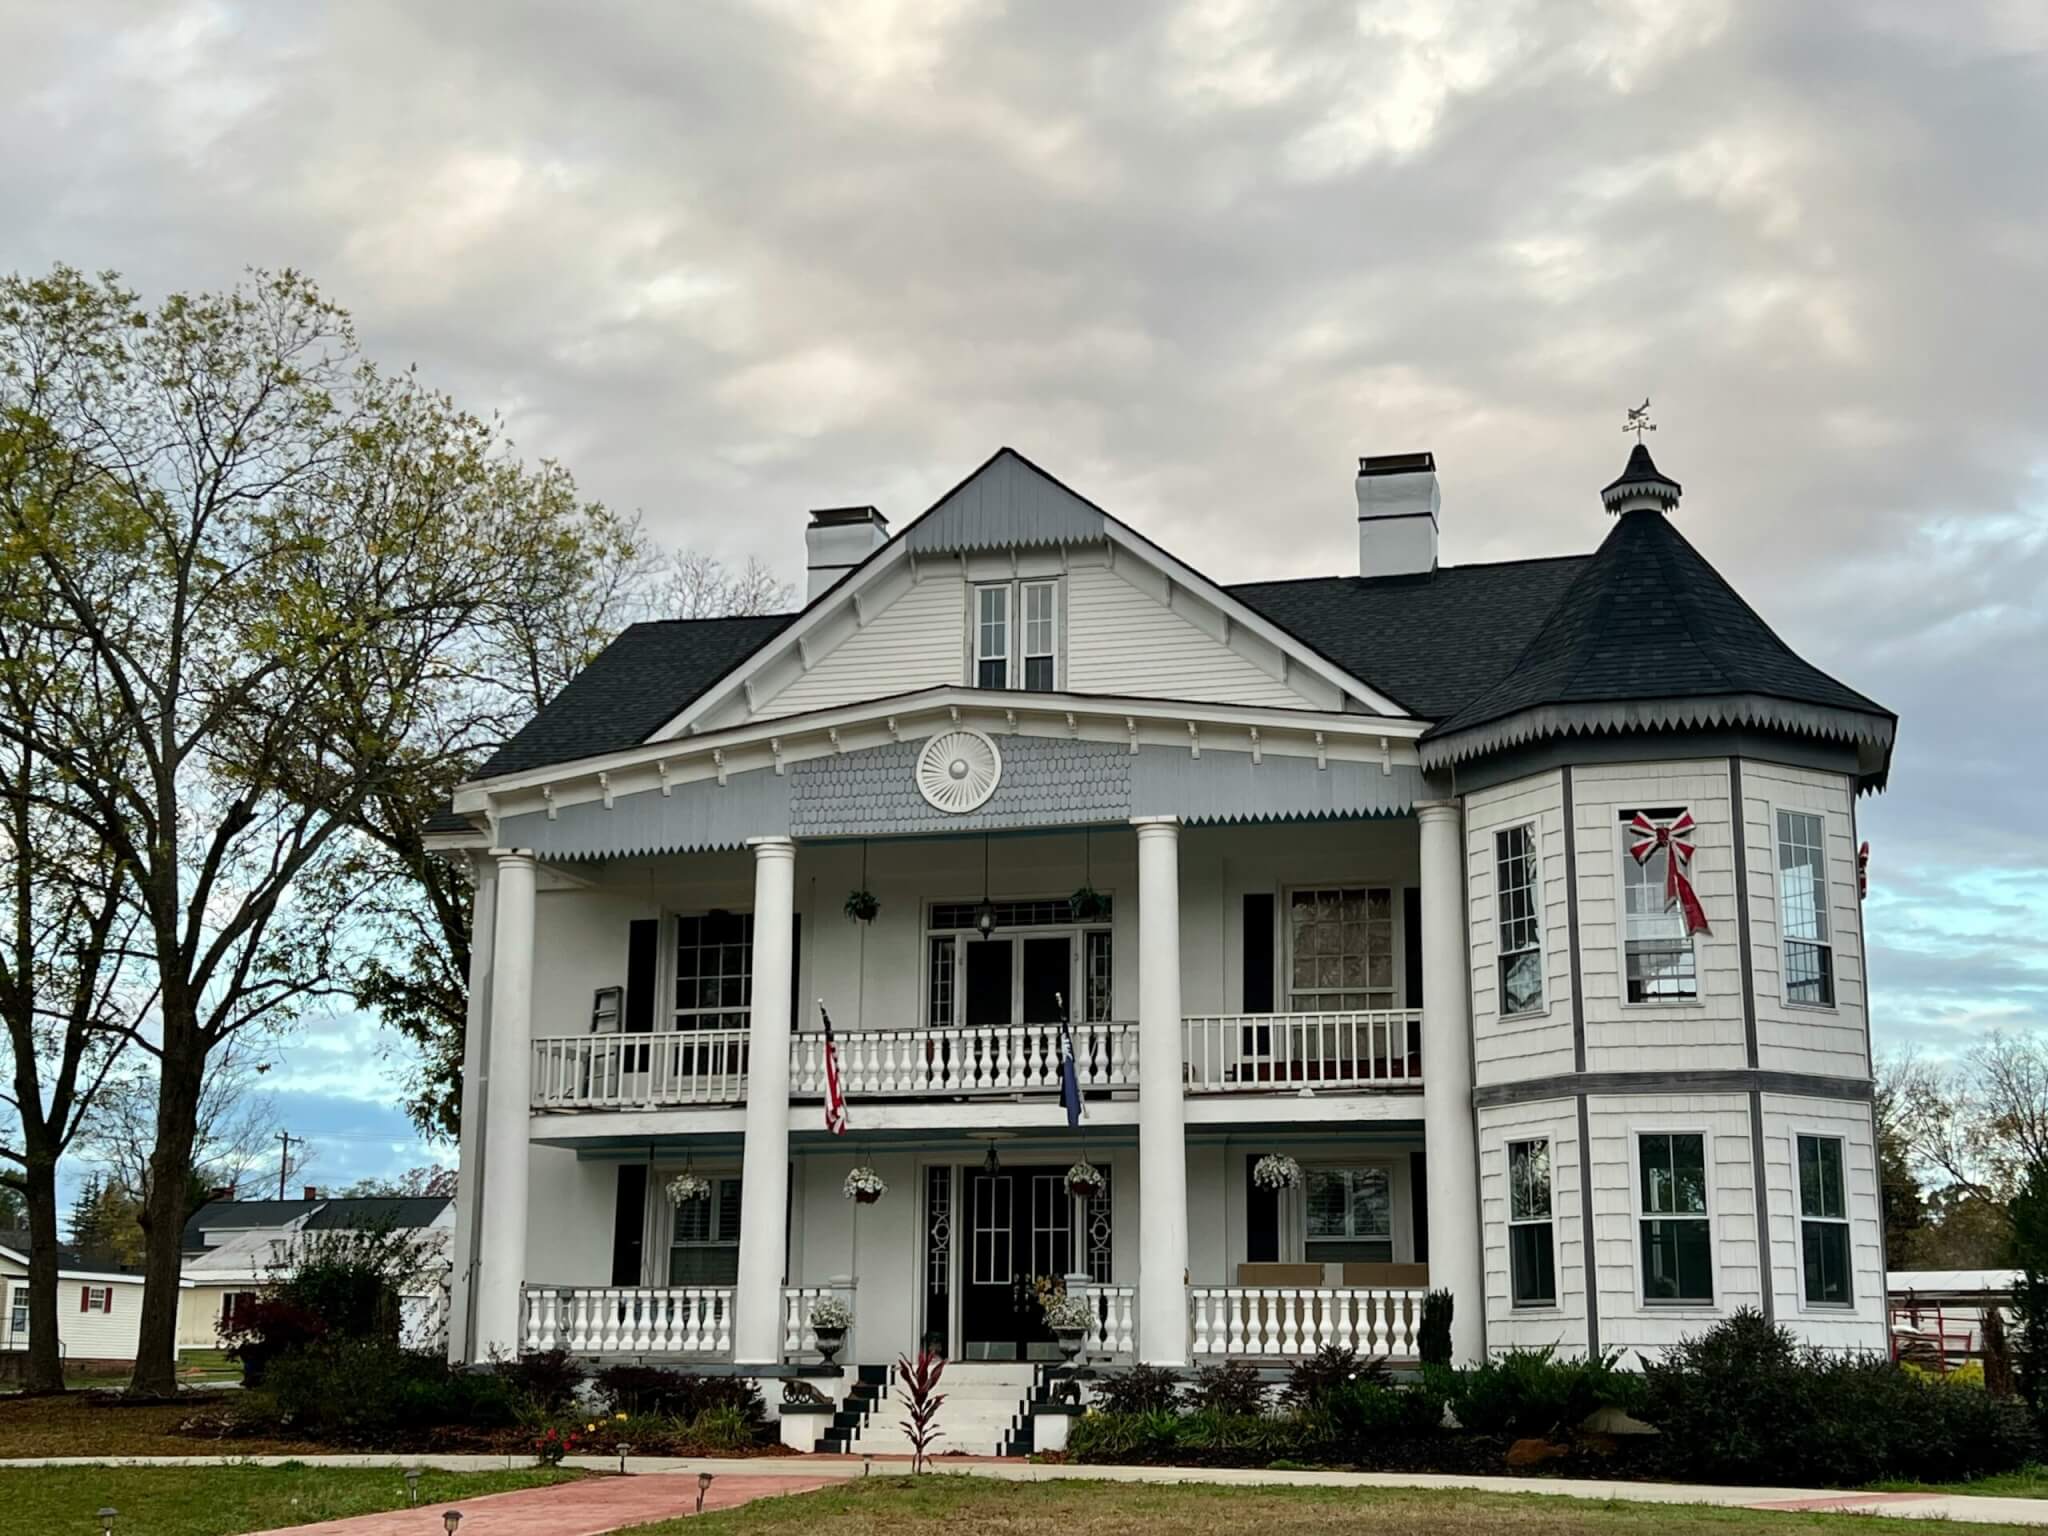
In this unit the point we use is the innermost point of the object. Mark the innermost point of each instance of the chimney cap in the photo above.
(1396, 464)
(843, 517)
(312, 1191)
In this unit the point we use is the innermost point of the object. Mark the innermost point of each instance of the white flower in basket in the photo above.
(1085, 1178)
(831, 1313)
(688, 1186)
(1064, 1309)
(1276, 1170)
(865, 1185)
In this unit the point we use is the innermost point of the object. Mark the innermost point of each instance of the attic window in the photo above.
(1016, 635)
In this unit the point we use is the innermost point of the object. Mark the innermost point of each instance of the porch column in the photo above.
(764, 1188)
(1454, 1260)
(469, 1164)
(501, 1236)
(1162, 1140)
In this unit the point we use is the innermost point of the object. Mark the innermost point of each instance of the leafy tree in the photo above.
(1902, 1194)
(431, 1179)
(1963, 1230)
(2030, 1295)
(1979, 1123)
(250, 572)
(13, 1210)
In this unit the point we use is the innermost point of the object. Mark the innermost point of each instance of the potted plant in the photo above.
(1085, 1180)
(862, 905)
(1069, 1317)
(687, 1186)
(830, 1319)
(864, 1186)
(1276, 1170)
(1088, 904)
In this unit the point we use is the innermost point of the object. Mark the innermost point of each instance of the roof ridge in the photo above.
(1467, 565)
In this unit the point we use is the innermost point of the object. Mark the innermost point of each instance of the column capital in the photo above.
(1156, 824)
(773, 847)
(1439, 810)
(508, 857)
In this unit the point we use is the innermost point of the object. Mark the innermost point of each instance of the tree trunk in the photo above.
(45, 1358)
(163, 1210)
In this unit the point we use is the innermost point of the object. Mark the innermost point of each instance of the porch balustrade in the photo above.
(799, 1337)
(632, 1071)
(1114, 1332)
(1006, 1058)
(1290, 1322)
(1281, 1052)
(679, 1321)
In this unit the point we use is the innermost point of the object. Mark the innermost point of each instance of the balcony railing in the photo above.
(1289, 1052)
(1289, 1321)
(692, 1320)
(1222, 1053)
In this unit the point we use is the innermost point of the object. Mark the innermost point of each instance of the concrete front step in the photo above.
(986, 1412)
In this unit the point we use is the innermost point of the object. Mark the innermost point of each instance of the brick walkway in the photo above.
(586, 1508)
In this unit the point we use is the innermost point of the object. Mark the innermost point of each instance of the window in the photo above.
(1803, 909)
(714, 970)
(1350, 1215)
(1097, 979)
(1341, 943)
(1519, 928)
(706, 1247)
(17, 1313)
(234, 1307)
(1532, 1259)
(1677, 1251)
(950, 936)
(1823, 1222)
(96, 1298)
(1659, 954)
(1040, 598)
(992, 637)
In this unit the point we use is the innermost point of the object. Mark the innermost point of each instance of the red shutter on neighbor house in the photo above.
(85, 1298)
(109, 1308)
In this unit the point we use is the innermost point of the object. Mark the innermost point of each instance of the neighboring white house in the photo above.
(1375, 876)
(233, 1248)
(99, 1304)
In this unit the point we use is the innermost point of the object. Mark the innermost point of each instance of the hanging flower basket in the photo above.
(1088, 904)
(862, 906)
(1085, 1180)
(865, 1186)
(1276, 1170)
(688, 1186)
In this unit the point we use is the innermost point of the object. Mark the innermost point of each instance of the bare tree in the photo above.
(235, 1130)
(1977, 1124)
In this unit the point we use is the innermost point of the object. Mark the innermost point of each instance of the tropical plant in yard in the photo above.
(1232, 1388)
(921, 1399)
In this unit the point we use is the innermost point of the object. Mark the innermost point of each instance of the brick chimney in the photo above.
(1398, 502)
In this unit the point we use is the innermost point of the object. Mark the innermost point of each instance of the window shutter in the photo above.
(643, 948)
(85, 1298)
(1261, 1214)
(629, 1220)
(1258, 952)
(109, 1308)
(796, 971)
(1411, 944)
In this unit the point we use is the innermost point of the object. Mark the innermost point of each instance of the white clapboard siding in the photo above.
(917, 641)
(1784, 1120)
(1792, 1038)
(1126, 639)
(1531, 1044)
(1562, 1327)
(1625, 1037)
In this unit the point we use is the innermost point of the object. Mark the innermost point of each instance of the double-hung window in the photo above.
(1519, 928)
(1016, 635)
(1350, 1215)
(1823, 1222)
(705, 1249)
(1677, 1251)
(1657, 949)
(1532, 1255)
(714, 970)
(1803, 909)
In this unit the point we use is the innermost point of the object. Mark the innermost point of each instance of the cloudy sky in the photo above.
(732, 260)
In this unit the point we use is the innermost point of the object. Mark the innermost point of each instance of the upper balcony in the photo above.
(1248, 1054)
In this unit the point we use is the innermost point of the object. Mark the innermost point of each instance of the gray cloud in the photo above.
(729, 261)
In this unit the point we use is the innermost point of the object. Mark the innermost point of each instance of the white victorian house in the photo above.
(1370, 872)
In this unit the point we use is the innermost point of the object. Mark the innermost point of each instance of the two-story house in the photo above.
(1491, 928)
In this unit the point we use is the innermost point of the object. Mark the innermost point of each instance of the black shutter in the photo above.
(1411, 943)
(643, 961)
(629, 1220)
(1261, 1214)
(796, 971)
(1418, 1202)
(1258, 952)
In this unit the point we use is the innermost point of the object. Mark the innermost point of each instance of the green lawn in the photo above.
(947, 1505)
(2027, 1483)
(224, 1501)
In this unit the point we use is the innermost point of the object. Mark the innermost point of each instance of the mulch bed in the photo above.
(106, 1425)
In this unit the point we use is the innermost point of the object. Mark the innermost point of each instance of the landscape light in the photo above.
(450, 1520)
(703, 1487)
(412, 1485)
(107, 1519)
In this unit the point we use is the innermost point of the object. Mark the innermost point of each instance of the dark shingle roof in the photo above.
(636, 685)
(241, 1216)
(1430, 642)
(69, 1257)
(1647, 618)
(356, 1213)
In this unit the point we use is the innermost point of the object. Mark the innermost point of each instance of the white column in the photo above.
(501, 1235)
(483, 928)
(1162, 1141)
(764, 1188)
(1454, 1260)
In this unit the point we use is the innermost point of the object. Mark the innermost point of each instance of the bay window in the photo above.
(1532, 1252)
(1823, 1222)
(1518, 927)
(1803, 909)
(1677, 1247)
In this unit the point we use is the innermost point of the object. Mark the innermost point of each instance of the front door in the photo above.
(1020, 1227)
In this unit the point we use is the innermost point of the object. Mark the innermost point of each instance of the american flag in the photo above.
(835, 1095)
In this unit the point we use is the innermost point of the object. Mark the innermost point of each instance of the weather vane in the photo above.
(1639, 420)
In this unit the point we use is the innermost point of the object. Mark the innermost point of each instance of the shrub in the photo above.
(368, 1391)
(1330, 1368)
(1348, 1419)
(1139, 1390)
(266, 1328)
(1433, 1333)
(1531, 1392)
(327, 1285)
(680, 1395)
(1135, 1438)
(545, 1380)
(724, 1428)
(1232, 1388)
(1744, 1403)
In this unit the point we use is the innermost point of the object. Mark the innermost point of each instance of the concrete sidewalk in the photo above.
(791, 1474)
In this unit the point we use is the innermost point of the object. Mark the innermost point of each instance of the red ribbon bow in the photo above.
(1672, 837)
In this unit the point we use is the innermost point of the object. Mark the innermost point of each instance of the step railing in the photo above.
(679, 1320)
(1295, 1052)
(798, 1303)
(1288, 1322)
(974, 1059)
(625, 1071)
(1114, 1332)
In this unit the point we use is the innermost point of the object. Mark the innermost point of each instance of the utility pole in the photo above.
(284, 1161)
